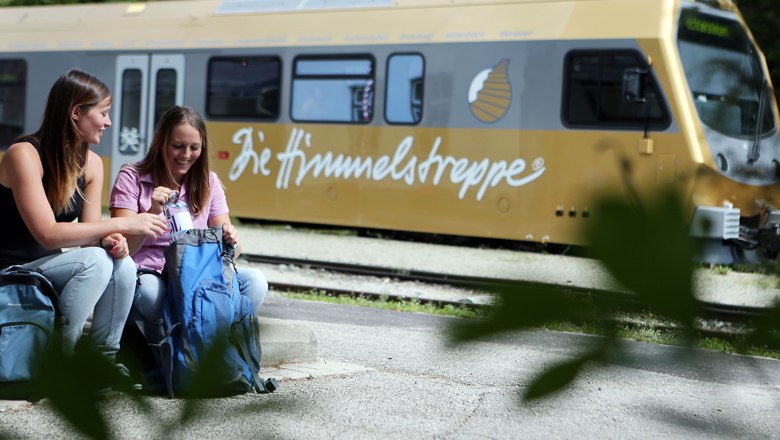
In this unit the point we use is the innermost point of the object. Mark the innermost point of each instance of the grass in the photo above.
(768, 268)
(637, 328)
(721, 269)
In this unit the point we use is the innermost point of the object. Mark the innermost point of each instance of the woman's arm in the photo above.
(127, 198)
(23, 171)
(93, 186)
(115, 244)
(134, 242)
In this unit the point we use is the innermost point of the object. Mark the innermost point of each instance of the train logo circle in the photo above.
(490, 93)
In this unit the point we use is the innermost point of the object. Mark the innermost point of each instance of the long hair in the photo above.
(157, 164)
(64, 156)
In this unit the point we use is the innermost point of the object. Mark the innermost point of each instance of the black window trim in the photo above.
(263, 57)
(332, 56)
(387, 83)
(659, 125)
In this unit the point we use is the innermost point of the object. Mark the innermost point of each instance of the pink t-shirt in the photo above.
(134, 192)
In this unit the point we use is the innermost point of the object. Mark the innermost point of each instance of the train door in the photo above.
(146, 86)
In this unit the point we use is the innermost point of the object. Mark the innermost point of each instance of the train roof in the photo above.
(180, 24)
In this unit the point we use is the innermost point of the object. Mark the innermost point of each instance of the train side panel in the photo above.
(517, 115)
(520, 176)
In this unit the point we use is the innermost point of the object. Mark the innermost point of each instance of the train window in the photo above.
(130, 119)
(244, 87)
(404, 94)
(725, 74)
(165, 92)
(333, 89)
(594, 95)
(13, 88)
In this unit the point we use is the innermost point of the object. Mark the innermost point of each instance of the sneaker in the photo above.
(134, 385)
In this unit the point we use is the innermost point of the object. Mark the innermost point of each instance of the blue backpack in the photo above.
(30, 321)
(207, 319)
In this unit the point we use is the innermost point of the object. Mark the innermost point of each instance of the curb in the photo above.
(286, 342)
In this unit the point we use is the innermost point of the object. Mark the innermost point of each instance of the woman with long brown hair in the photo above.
(177, 161)
(50, 178)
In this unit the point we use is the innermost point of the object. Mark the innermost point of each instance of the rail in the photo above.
(708, 310)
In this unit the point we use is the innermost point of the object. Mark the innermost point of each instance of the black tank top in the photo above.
(18, 245)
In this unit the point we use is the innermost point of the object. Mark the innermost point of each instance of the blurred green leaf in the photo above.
(645, 245)
(555, 378)
(72, 382)
(208, 380)
(649, 251)
(76, 383)
(527, 306)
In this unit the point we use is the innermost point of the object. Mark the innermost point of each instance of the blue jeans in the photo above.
(151, 293)
(91, 281)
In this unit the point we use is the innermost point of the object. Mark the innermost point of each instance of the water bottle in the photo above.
(178, 215)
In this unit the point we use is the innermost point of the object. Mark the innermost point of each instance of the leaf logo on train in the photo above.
(490, 93)
(302, 159)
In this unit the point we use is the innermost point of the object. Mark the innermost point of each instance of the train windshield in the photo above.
(725, 75)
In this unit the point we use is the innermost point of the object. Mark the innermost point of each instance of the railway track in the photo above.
(708, 310)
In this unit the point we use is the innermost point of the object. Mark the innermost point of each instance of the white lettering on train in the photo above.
(295, 165)
(244, 138)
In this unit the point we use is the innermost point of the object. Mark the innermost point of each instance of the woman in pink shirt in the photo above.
(177, 161)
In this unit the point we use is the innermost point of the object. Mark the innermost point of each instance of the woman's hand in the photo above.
(230, 234)
(151, 225)
(160, 196)
(115, 245)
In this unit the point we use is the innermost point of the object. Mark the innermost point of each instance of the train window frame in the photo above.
(15, 128)
(370, 78)
(652, 86)
(388, 82)
(164, 97)
(254, 116)
(130, 120)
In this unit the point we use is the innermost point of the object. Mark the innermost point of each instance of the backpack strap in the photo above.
(243, 341)
(260, 385)
(259, 382)
(165, 350)
(144, 271)
(164, 347)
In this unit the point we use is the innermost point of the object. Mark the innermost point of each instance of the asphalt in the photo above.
(383, 374)
(378, 352)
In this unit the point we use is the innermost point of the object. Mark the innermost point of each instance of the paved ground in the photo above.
(350, 372)
(389, 375)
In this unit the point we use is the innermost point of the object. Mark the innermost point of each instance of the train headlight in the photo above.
(722, 163)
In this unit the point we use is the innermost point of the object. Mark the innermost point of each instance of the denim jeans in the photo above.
(151, 292)
(91, 281)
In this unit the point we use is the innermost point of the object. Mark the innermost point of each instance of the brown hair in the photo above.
(156, 162)
(64, 157)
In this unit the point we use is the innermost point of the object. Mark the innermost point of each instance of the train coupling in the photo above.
(716, 222)
(765, 236)
(768, 232)
(725, 239)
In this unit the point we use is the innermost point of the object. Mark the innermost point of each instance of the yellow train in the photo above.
(484, 118)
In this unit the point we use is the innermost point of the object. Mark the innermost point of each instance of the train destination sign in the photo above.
(708, 27)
